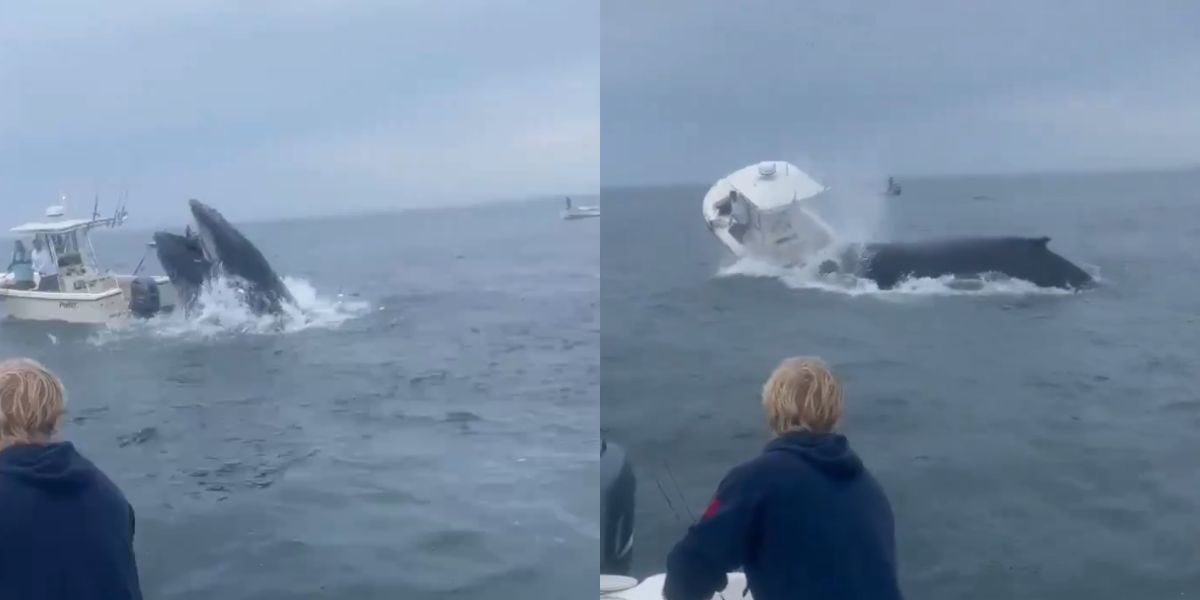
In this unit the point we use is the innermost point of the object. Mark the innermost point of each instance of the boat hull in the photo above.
(580, 213)
(100, 308)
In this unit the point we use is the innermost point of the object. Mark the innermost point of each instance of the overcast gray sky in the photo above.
(693, 89)
(295, 107)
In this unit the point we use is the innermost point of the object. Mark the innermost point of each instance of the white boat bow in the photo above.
(617, 587)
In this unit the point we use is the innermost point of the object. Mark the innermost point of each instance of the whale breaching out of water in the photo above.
(218, 249)
(763, 211)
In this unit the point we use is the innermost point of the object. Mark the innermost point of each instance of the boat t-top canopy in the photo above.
(773, 184)
(58, 227)
(67, 246)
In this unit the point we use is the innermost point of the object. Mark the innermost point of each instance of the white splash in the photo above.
(808, 277)
(220, 311)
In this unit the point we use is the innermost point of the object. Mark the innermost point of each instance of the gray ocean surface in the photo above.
(1033, 445)
(432, 433)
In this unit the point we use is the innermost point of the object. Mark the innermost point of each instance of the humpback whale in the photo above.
(218, 249)
(184, 262)
(1025, 258)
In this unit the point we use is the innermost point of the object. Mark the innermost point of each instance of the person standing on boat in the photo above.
(739, 216)
(805, 519)
(43, 263)
(724, 206)
(66, 531)
(21, 268)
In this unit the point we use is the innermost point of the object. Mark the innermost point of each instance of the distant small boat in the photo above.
(893, 188)
(579, 212)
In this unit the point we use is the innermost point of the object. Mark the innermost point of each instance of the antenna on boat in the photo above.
(119, 215)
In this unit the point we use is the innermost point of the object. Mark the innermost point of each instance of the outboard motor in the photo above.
(617, 487)
(144, 300)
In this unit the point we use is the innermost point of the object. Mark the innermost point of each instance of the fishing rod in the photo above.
(682, 499)
(679, 492)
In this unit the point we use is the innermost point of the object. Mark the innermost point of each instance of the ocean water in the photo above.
(425, 427)
(1033, 444)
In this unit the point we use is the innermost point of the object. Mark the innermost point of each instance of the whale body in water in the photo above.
(1025, 258)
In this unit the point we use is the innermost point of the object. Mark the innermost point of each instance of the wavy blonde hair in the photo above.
(32, 401)
(802, 394)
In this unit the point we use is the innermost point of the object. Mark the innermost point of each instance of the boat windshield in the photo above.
(740, 209)
(20, 255)
(65, 247)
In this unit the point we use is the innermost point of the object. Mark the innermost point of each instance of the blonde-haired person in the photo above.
(66, 531)
(804, 519)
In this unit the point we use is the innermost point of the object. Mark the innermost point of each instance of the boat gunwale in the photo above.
(60, 296)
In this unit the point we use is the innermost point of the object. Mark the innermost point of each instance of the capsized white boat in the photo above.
(579, 212)
(84, 293)
(763, 211)
(619, 587)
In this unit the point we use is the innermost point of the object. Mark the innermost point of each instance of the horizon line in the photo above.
(962, 175)
(369, 211)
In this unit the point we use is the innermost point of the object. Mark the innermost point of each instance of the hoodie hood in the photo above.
(829, 453)
(56, 466)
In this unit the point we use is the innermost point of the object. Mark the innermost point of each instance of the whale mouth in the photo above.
(205, 224)
(215, 249)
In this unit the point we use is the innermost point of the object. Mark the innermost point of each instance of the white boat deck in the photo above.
(615, 587)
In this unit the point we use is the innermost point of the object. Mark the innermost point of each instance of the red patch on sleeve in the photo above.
(711, 510)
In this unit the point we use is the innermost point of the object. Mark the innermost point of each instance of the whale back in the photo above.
(1026, 258)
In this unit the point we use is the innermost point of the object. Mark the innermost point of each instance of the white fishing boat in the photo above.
(619, 587)
(763, 210)
(893, 188)
(579, 212)
(81, 292)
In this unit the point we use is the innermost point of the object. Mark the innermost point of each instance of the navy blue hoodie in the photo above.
(804, 520)
(66, 531)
